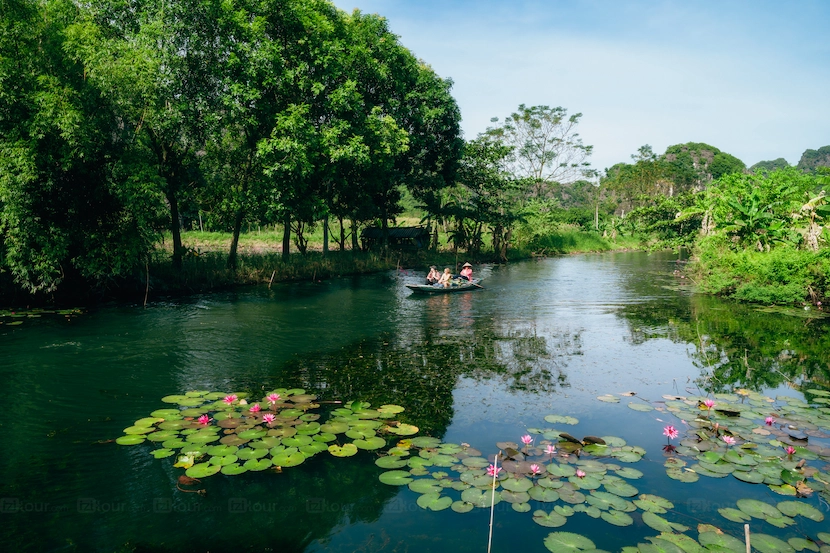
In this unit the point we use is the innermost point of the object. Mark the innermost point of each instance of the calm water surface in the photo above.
(545, 337)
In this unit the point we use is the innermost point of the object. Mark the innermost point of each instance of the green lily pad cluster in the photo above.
(544, 479)
(774, 439)
(212, 432)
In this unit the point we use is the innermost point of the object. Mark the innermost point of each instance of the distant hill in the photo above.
(693, 165)
(779, 163)
(811, 159)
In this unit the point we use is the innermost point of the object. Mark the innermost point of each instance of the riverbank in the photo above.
(781, 276)
(260, 262)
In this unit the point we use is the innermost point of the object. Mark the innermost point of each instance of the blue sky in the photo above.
(750, 77)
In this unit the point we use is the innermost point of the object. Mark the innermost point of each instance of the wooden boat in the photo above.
(457, 285)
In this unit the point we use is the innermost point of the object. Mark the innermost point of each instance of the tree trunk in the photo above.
(342, 233)
(355, 245)
(326, 235)
(237, 230)
(175, 228)
(286, 237)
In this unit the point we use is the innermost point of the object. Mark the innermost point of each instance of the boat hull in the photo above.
(429, 289)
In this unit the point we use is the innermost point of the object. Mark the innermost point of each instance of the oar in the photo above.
(477, 286)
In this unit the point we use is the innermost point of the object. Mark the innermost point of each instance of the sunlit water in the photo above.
(545, 337)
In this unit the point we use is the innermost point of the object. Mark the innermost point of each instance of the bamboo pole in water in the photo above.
(746, 537)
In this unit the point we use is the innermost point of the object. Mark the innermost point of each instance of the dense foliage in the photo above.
(119, 120)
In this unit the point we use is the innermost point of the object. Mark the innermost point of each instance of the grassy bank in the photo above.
(782, 276)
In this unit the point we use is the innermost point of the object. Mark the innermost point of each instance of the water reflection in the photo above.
(737, 346)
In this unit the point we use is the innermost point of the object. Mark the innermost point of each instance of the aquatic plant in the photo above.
(212, 432)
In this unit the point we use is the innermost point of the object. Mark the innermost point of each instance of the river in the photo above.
(544, 337)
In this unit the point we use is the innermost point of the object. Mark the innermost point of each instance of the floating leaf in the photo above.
(521, 507)
(258, 464)
(734, 515)
(425, 486)
(346, 450)
(390, 462)
(550, 520)
(800, 544)
(659, 545)
(130, 439)
(545, 495)
(202, 470)
(725, 541)
(653, 503)
(559, 419)
(287, 459)
(608, 398)
(627, 472)
(795, 508)
(751, 477)
(462, 507)
(567, 542)
(394, 477)
(657, 522)
(617, 518)
(233, 469)
(162, 453)
(480, 498)
(758, 509)
(644, 407)
(434, 502)
(372, 443)
(770, 544)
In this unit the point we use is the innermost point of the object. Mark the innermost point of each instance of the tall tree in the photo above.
(547, 147)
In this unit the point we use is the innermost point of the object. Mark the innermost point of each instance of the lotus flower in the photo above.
(580, 473)
(273, 398)
(535, 469)
(268, 418)
(550, 449)
(255, 408)
(204, 419)
(527, 439)
(729, 440)
(709, 403)
(230, 399)
(493, 470)
(671, 432)
(770, 421)
(790, 450)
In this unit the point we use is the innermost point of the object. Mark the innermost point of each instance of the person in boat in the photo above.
(434, 276)
(446, 278)
(467, 272)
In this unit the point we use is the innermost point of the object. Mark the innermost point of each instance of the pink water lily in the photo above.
(535, 469)
(770, 421)
(671, 432)
(527, 439)
(255, 408)
(204, 419)
(273, 398)
(580, 473)
(550, 449)
(729, 440)
(230, 399)
(790, 450)
(493, 470)
(268, 418)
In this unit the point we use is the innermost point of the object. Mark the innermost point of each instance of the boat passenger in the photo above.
(467, 272)
(434, 276)
(445, 278)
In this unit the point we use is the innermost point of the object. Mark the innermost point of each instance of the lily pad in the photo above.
(434, 502)
(394, 477)
(653, 503)
(657, 522)
(517, 484)
(162, 453)
(545, 495)
(288, 459)
(559, 419)
(550, 520)
(390, 462)
(202, 470)
(130, 439)
(347, 450)
(643, 407)
(800, 544)
(233, 469)
(423, 486)
(734, 515)
(617, 518)
(770, 544)
(722, 541)
(567, 542)
(758, 509)
(794, 508)
(608, 398)
(372, 443)
(462, 507)
(480, 498)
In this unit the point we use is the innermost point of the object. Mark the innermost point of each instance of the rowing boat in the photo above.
(457, 285)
